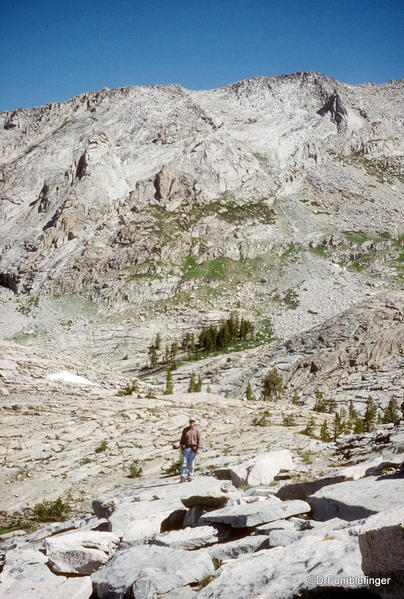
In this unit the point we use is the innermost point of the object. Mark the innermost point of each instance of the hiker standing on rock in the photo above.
(190, 445)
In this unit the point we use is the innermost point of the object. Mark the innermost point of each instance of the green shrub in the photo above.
(272, 385)
(102, 446)
(135, 470)
(174, 468)
(52, 511)
(129, 389)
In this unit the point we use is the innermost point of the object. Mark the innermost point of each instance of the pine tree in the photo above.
(152, 356)
(332, 406)
(192, 383)
(358, 426)
(198, 386)
(169, 383)
(391, 412)
(320, 403)
(324, 434)
(370, 415)
(249, 393)
(296, 401)
(272, 385)
(208, 389)
(338, 427)
(174, 350)
(157, 342)
(309, 430)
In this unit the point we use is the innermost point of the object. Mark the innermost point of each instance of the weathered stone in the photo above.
(276, 525)
(80, 552)
(352, 500)
(261, 469)
(253, 514)
(233, 549)
(285, 572)
(381, 542)
(281, 538)
(193, 515)
(148, 570)
(25, 574)
(190, 538)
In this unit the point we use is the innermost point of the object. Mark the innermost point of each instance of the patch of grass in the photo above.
(306, 456)
(205, 581)
(211, 269)
(216, 563)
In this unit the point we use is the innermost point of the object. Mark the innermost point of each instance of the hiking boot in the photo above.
(182, 479)
(190, 480)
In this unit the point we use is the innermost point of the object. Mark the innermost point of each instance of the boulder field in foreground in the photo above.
(225, 544)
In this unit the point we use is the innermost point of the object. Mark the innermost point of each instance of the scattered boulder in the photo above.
(285, 572)
(212, 498)
(381, 542)
(25, 574)
(253, 514)
(190, 538)
(80, 552)
(233, 549)
(149, 570)
(352, 500)
(261, 469)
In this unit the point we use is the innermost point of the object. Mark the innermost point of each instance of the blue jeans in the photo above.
(188, 459)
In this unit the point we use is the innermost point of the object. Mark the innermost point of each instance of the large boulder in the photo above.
(104, 506)
(352, 500)
(254, 514)
(261, 469)
(213, 498)
(381, 542)
(80, 552)
(25, 574)
(285, 572)
(190, 538)
(233, 549)
(145, 571)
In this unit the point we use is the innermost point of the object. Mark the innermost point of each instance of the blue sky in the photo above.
(53, 50)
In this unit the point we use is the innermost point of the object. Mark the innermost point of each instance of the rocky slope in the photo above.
(130, 212)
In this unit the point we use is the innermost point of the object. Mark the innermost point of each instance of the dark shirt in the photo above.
(191, 437)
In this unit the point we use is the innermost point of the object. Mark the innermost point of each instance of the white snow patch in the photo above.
(68, 377)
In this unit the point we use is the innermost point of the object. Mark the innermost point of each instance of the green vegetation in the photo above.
(249, 392)
(102, 446)
(135, 470)
(169, 383)
(174, 468)
(52, 511)
(289, 420)
(306, 456)
(32, 301)
(129, 389)
(378, 168)
(324, 434)
(272, 385)
(310, 426)
(233, 334)
(262, 419)
(391, 413)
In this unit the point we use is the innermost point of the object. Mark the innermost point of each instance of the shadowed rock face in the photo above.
(337, 110)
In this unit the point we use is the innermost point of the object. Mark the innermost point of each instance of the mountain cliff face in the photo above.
(114, 194)
(130, 212)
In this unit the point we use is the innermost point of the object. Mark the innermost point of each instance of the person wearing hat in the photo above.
(190, 445)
